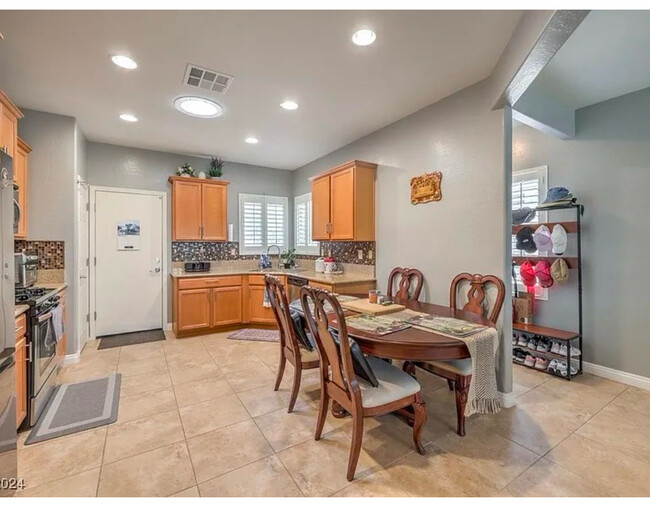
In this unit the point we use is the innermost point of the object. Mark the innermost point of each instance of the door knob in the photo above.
(155, 270)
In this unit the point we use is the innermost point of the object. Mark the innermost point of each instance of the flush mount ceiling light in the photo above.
(252, 140)
(364, 37)
(124, 61)
(199, 107)
(289, 105)
(128, 118)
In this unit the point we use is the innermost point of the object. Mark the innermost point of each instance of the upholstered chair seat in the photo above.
(394, 384)
(308, 356)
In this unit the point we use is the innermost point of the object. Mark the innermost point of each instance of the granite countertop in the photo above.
(344, 278)
(20, 309)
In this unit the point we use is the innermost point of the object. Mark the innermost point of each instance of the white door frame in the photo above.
(93, 250)
(81, 316)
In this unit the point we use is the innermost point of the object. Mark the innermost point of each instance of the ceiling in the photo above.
(59, 62)
(606, 57)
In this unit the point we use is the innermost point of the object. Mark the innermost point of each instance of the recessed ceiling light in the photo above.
(124, 61)
(199, 107)
(289, 105)
(252, 140)
(128, 117)
(364, 37)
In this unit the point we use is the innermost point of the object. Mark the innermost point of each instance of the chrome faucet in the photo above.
(268, 251)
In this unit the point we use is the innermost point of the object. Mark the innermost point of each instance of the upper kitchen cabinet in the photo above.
(20, 179)
(199, 209)
(9, 116)
(343, 203)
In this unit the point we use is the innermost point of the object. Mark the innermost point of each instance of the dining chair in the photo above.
(396, 390)
(290, 349)
(407, 277)
(458, 372)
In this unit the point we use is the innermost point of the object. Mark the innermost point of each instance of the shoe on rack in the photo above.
(532, 343)
(544, 346)
(529, 361)
(552, 366)
(519, 355)
(523, 340)
(575, 352)
(555, 348)
(541, 363)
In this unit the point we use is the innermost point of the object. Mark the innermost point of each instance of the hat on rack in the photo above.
(527, 273)
(543, 274)
(560, 271)
(523, 215)
(559, 239)
(557, 196)
(542, 238)
(525, 240)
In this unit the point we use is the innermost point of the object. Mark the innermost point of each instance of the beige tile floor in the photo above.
(199, 416)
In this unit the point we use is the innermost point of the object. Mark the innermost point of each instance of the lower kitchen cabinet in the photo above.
(194, 309)
(256, 311)
(227, 306)
(20, 358)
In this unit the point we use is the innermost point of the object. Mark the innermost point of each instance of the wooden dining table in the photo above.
(412, 344)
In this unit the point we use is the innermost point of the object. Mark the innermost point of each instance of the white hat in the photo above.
(559, 240)
(542, 238)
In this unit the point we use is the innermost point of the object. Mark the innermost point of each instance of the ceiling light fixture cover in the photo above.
(364, 37)
(124, 61)
(128, 117)
(199, 107)
(252, 140)
(289, 105)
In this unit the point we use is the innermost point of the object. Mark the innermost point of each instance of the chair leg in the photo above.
(297, 375)
(420, 412)
(461, 386)
(409, 368)
(355, 448)
(278, 379)
(450, 382)
(322, 413)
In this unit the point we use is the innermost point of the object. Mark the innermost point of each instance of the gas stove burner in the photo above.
(30, 295)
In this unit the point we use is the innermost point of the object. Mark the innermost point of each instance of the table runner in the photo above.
(483, 395)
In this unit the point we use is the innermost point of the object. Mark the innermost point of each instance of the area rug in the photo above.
(256, 335)
(78, 406)
(119, 340)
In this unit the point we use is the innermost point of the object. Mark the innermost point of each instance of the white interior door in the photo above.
(84, 262)
(128, 271)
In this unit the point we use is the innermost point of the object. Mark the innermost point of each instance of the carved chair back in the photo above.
(476, 295)
(407, 277)
(336, 360)
(280, 305)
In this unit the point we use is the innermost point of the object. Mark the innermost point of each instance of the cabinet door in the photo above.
(20, 171)
(20, 356)
(8, 132)
(320, 208)
(342, 205)
(214, 212)
(194, 309)
(226, 305)
(186, 210)
(257, 312)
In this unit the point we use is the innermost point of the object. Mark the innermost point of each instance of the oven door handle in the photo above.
(44, 317)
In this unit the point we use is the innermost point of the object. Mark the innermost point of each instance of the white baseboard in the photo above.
(507, 399)
(69, 359)
(617, 375)
(168, 327)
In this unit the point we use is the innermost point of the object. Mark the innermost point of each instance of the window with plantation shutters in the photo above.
(263, 221)
(528, 190)
(302, 229)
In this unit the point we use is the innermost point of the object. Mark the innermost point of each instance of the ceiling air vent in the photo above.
(207, 79)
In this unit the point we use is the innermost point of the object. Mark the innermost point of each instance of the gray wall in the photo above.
(607, 166)
(51, 192)
(462, 137)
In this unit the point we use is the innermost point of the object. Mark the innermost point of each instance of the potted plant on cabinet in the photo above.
(216, 168)
(185, 170)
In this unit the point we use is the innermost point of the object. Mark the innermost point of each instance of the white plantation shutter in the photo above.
(302, 220)
(263, 221)
(528, 190)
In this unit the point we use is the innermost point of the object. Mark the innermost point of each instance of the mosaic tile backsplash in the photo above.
(51, 254)
(341, 251)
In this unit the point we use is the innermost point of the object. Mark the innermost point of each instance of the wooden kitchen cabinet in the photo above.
(257, 313)
(343, 203)
(9, 116)
(199, 209)
(194, 309)
(20, 358)
(226, 306)
(20, 180)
